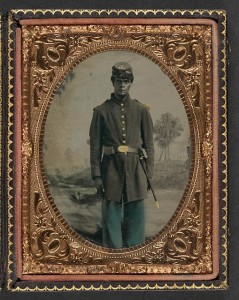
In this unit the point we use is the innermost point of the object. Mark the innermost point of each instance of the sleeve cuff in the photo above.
(95, 172)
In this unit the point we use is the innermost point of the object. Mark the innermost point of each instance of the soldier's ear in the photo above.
(131, 83)
(112, 79)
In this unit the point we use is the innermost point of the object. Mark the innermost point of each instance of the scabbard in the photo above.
(148, 180)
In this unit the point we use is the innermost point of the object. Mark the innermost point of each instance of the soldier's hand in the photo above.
(148, 185)
(99, 185)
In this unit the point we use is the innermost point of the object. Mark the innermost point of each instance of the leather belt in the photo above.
(119, 149)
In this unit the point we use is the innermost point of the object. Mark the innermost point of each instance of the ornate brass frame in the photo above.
(187, 248)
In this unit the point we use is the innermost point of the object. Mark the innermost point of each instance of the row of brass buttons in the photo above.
(123, 123)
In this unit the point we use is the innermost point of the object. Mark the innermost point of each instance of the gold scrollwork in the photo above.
(26, 149)
(178, 49)
(50, 52)
(47, 244)
(207, 146)
(186, 242)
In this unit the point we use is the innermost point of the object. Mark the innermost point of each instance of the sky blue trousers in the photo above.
(123, 223)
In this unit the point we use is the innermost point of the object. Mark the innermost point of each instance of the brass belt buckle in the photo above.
(123, 149)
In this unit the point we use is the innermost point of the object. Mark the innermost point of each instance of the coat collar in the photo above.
(126, 100)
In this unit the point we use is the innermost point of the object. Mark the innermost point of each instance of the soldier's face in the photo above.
(121, 86)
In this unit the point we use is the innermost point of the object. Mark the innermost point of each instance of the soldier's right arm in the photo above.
(96, 138)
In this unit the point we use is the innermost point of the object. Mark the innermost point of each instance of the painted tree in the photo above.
(68, 79)
(166, 130)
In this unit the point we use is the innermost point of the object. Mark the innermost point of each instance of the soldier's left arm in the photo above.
(147, 137)
(96, 144)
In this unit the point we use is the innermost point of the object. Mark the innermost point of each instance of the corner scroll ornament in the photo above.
(47, 243)
(185, 248)
(50, 52)
(48, 55)
(184, 243)
(183, 54)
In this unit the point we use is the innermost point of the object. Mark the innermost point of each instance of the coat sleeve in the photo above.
(96, 144)
(147, 137)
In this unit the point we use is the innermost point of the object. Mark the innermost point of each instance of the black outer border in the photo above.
(232, 9)
(221, 281)
(1, 160)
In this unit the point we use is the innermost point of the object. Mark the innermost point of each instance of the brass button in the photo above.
(122, 116)
(124, 134)
(123, 128)
(122, 104)
(124, 141)
(123, 122)
(122, 109)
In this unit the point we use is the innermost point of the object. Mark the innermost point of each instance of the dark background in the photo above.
(232, 9)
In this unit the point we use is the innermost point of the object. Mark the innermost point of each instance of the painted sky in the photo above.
(68, 121)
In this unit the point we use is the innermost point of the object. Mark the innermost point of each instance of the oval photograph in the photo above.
(117, 149)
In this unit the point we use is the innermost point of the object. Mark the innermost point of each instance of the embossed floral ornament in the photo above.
(27, 148)
(26, 144)
(40, 221)
(207, 148)
(154, 41)
(156, 254)
(114, 32)
(156, 269)
(77, 255)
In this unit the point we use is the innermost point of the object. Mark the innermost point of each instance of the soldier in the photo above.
(120, 128)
